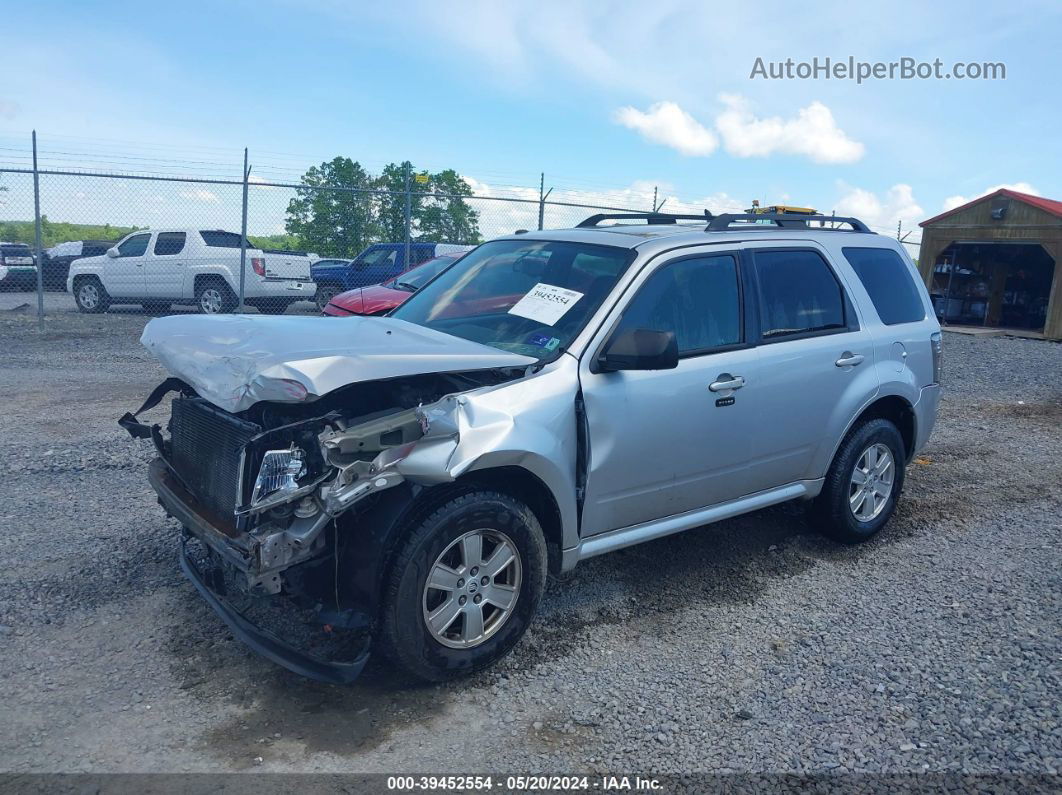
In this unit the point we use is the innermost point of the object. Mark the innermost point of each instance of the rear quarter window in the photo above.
(219, 239)
(888, 281)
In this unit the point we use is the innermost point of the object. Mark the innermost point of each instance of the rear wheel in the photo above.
(214, 297)
(91, 296)
(464, 586)
(276, 306)
(325, 293)
(863, 484)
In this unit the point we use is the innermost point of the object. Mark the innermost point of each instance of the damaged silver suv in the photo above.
(406, 483)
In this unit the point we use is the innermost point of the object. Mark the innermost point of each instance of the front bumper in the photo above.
(232, 548)
(268, 644)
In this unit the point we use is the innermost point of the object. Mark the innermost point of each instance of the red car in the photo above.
(380, 299)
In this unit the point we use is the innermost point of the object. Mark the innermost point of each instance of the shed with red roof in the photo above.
(994, 262)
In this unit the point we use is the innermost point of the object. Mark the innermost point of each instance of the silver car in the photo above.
(406, 483)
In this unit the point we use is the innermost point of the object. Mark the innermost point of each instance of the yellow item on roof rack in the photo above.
(781, 209)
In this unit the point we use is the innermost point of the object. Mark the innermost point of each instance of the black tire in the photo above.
(272, 307)
(156, 307)
(85, 288)
(326, 291)
(832, 512)
(404, 635)
(214, 297)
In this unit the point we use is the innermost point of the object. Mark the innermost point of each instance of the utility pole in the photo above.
(543, 194)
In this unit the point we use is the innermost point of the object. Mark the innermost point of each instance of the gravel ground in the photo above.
(752, 645)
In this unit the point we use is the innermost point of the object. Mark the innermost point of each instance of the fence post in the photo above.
(37, 236)
(654, 199)
(408, 214)
(541, 199)
(243, 235)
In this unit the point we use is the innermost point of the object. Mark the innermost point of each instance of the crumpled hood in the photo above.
(235, 361)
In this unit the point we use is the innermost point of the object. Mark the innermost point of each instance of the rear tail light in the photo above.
(938, 357)
(258, 263)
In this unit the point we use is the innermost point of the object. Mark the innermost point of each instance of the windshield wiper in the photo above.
(406, 286)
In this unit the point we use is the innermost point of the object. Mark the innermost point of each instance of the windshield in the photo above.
(526, 296)
(412, 280)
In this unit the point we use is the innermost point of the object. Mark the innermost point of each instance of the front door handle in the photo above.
(849, 359)
(725, 382)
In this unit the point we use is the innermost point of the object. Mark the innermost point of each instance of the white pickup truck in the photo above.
(160, 267)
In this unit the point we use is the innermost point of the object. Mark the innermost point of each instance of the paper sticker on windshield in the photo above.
(545, 303)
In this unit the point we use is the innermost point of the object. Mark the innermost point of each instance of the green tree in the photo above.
(333, 223)
(392, 204)
(448, 218)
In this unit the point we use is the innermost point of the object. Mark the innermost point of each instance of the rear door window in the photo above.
(888, 281)
(168, 243)
(134, 246)
(799, 295)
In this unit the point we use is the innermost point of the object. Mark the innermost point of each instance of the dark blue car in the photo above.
(376, 264)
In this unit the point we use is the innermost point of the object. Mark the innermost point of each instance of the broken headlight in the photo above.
(279, 474)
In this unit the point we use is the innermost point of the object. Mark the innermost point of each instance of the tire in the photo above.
(214, 297)
(503, 525)
(847, 512)
(156, 307)
(325, 293)
(277, 307)
(91, 296)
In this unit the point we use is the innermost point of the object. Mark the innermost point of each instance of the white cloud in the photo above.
(8, 109)
(881, 212)
(199, 195)
(812, 133)
(952, 202)
(668, 124)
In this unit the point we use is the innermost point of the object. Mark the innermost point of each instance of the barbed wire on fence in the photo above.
(281, 229)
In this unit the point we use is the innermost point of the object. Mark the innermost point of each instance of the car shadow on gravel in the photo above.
(630, 594)
(631, 590)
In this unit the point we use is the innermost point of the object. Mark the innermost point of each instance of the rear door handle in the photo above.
(849, 359)
(727, 381)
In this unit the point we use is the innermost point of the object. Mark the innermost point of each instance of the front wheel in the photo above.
(863, 484)
(464, 586)
(91, 296)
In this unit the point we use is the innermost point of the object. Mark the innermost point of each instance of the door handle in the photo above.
(849, 359)
(726, 381)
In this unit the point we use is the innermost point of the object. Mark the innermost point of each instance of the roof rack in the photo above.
(721, 223)
(649, 218)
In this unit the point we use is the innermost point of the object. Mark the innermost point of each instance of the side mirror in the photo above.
(112, 252)
(640, 349)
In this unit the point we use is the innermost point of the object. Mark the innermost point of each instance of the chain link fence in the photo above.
(93, 242)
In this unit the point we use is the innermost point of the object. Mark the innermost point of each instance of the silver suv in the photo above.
(407, 482)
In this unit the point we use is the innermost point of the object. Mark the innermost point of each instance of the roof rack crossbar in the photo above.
(648, 217)
(722, 222)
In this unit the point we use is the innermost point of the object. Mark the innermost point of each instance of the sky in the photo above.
(608, 99)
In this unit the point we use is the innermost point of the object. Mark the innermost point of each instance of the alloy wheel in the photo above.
(871, 483)
(210, 301)
(472, 588)
(88, 295)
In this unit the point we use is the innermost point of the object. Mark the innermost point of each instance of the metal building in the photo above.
(994, 262)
